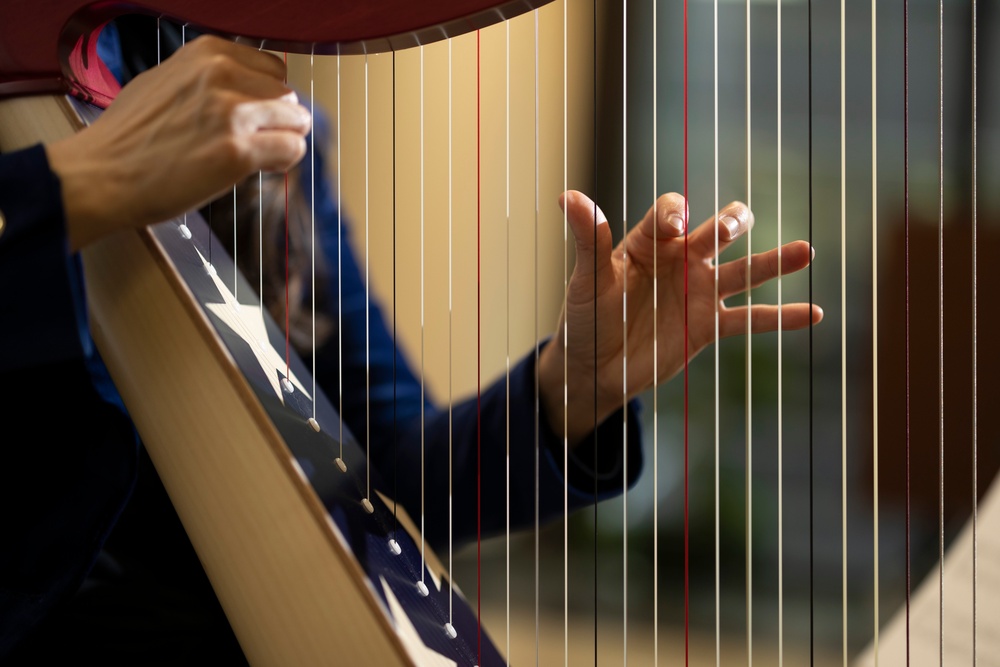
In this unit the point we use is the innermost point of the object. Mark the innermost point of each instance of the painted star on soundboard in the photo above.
(415, 646)
(247, 321)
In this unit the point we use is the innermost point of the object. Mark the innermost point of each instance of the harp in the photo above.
(398, 39)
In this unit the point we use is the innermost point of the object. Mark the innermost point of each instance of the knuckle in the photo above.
(672, 201)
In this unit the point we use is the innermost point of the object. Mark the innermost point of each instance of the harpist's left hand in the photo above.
(595, 372)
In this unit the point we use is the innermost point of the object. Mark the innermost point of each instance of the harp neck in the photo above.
(58, 53)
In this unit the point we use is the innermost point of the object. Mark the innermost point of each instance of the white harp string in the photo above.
(625, 42)
(537, 533)
(941, 330)
(312, 212)
(368, 393)
(874, 177)
(656, 367)
(781, 523)
(340, 280)
(423, 357)
(715, 347)
(975, 349)
(843, 331)
(451, 349)
(749, 364)
(565, 335)
(507, 356)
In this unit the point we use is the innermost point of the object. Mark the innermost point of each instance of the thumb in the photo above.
(593, 238)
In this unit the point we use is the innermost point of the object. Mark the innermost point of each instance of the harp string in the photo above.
(507, 342)
(906, 300)
(423, 334)
(596, 325)
(874, 275)
(975, 353)
(715, 348)
(749, 361)
(941, 329)
(537, 452)
(565, 335)
(312, 214)
(479, 350)
(656, 373)
(395, 318)
(451, 442)
(812, 586)
(781, 504)
(288, 327)
(687, 466)
(340, 281)
(368, 393)
(625, 260)
(843, 332)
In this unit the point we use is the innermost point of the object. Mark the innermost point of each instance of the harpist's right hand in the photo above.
(177, 136)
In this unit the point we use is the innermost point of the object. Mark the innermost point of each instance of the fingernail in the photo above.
(601, 218)
(676, 221)
(812, 253)
(733, 225)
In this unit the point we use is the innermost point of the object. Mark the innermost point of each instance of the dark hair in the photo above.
(261, 233)
(261, 206)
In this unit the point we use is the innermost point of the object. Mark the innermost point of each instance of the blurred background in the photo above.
(568, 96)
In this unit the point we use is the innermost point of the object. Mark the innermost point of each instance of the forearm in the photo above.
(41, 289)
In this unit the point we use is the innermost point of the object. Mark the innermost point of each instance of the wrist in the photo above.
(571, 401)
(85, 193)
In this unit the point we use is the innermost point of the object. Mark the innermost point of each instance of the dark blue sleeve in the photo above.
(41, 295)
(382, 408)
(68, 448)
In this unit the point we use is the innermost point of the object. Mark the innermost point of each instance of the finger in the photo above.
(764, 266)
(593, 238)
(733, 221)
(274, 150)
(665, 218)
(225, 73)
(764, 318)
(263, 62)
(281, 114)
